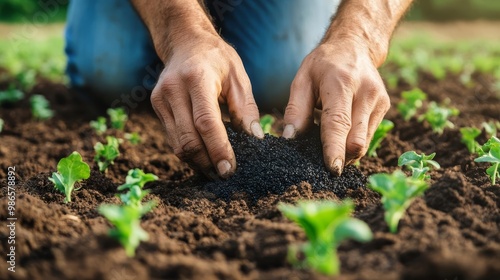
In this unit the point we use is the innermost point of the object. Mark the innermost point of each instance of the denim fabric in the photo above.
(109, 49)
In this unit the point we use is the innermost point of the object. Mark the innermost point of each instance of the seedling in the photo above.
(490, 152)
(134, 138)
(118, 118)
(411, 101)
(1, 125)
(106, 154)
(437, 117)
(266, 122)
(40, 107)
(491, 128)
(10, 96)
(469, 135)
(379, 135)
(99, 125)
(135, 181)
(326, 224)
(126, 220)
(418, 164)
(70, 170)
(398, 192)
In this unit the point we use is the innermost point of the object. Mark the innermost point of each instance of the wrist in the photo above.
(375, 44)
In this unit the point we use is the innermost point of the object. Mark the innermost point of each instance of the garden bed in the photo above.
(452, 232)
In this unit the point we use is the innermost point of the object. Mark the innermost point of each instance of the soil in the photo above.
(199, 231)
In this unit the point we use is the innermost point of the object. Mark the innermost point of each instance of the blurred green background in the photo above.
(434, 10)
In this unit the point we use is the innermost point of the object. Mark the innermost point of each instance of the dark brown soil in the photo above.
(453, 232)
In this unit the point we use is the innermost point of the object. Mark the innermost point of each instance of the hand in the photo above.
(200, 74)
(341, 79)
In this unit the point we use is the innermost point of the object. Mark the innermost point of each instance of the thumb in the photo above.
(300, 108)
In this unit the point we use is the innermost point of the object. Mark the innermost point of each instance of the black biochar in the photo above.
(271, 165)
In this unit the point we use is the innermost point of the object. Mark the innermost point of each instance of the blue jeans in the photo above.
(111, 56)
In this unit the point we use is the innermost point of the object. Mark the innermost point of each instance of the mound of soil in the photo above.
(452, 232)
(271, 165)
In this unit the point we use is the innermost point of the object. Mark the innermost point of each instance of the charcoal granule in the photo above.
(273, 164)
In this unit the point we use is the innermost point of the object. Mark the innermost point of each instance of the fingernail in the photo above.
(337, 167)
(289, 131)
(224, 168)
(257, 129)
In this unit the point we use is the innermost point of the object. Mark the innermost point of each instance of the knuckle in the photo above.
(205, 122)
(339, 118)
(189, 146)
(356, 147)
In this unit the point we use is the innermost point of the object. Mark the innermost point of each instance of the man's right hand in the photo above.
(201, 73)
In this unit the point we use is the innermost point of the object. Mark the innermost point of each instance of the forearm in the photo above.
(369, 23)
(174, 23)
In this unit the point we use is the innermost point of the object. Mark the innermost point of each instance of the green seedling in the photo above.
(1, 125)
(266, 122)
(40, 107)
(70, 170)
(411, 101)
(134, 138)
(437, 117)
(135, 181)
(10, 96)
(398, 192)
(491, 128)
(490, 152)
(118, 118)
(418, 164)
(106, 154)
(379, 135)
(469, 135)
(99, 125)
(326, 224)
(126, 219)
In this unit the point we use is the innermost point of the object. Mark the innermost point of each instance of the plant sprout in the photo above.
(418, 164)
(469, 135)
(326, 224)
(490, 152)
(437, 117)
(40, 107)
(491, 128)
(134, 138)
(126, 219)
(411, 101)
(106, 154)
(70, 170)
(99, 125)
(135, 181)
(118, 118)
(10, 96)
(398, 192)
(379, 135)
(266, 122)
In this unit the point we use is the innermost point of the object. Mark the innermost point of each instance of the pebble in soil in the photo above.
(273, 164)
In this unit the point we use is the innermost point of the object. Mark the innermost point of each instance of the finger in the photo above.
(190, 147)
(208, 123)
(378, 114)
(357, 143)
(242, 107)
(335, 122)
(300, 108)
(165, 115)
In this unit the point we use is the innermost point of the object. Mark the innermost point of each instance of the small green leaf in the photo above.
(134, 138)
(118, 118)
(10, 96)
(379, 135)
(99, 125)
(266, 122)
(70, 170)
(469, 135)
(398, 191)
(106, 154)
(40, 107)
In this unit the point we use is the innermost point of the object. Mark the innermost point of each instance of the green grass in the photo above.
(42, 57)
